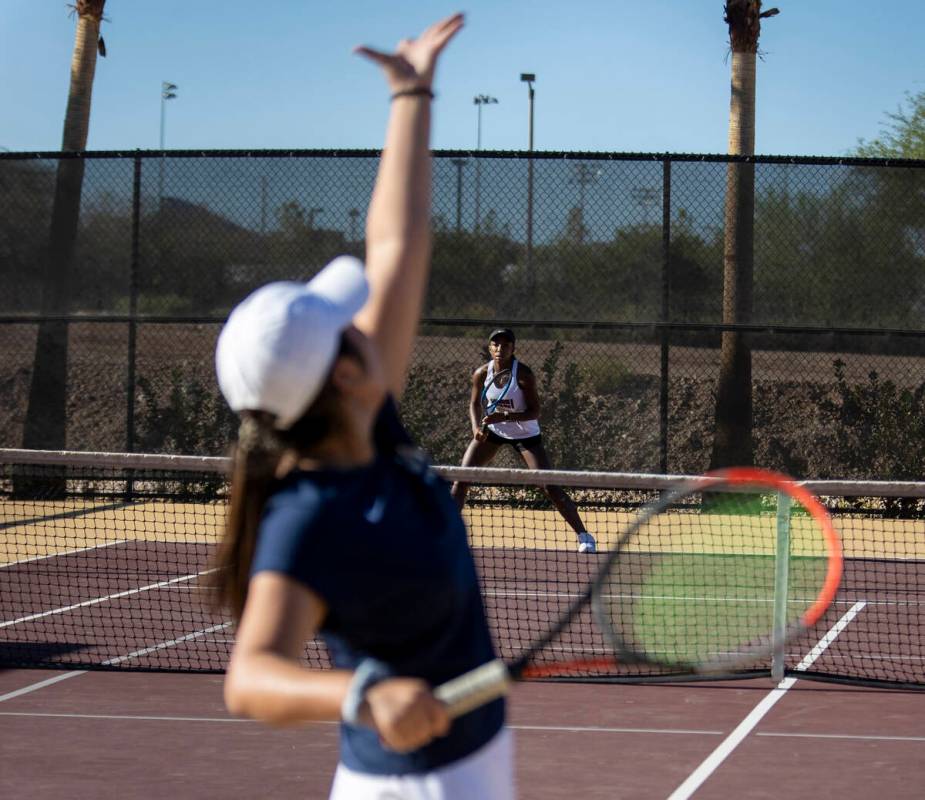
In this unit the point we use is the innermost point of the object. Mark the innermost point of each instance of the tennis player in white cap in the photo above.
(336, 525)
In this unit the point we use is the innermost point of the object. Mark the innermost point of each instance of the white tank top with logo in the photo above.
(508, 398)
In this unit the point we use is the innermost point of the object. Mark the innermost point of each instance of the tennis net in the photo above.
(105, 561)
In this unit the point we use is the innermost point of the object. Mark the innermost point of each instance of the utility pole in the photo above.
(168, 92)
(529, 78)
(480, 100)
(584, 176)
(459, 163)
(354, 215)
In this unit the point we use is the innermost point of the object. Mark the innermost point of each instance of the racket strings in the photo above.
(696, 587)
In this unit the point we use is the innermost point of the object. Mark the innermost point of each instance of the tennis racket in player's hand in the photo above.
(501, 381)
(710, 579)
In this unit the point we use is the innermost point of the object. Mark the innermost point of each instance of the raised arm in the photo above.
(398, 241)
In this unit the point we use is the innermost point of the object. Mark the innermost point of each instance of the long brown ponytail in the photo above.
(256, 456)
(256, 461)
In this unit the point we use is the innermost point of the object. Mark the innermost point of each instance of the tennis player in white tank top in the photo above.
(509, 397)
(507, 413)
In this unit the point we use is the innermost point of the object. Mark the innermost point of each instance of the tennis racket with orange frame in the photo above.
(715, 576)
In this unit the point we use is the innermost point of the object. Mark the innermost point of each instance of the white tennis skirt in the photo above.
(487, 774)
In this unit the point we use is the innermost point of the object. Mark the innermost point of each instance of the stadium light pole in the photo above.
(584, 177)
(354, 233)
(168, 92)
(480, 100)
(529, 78)
(459, 163)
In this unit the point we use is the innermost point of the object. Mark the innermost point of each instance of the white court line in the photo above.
(108, 663)
(135, 717)
(97, 600)
(549, 728)
(164, 645)
(40, 685)
(63, 553)
(862, 737)
(712, 762)
(541, 728)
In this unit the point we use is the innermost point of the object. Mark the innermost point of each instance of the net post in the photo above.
(781, 580)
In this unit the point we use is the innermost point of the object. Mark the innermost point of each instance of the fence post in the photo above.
(665, 313)
(133, 308)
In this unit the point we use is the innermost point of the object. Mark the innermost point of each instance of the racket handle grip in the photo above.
(477, 687)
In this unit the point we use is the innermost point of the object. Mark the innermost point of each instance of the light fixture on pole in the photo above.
(529, 78)
(480, 100)
(168, 92)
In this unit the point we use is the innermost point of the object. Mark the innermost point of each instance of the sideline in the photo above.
(713, 761)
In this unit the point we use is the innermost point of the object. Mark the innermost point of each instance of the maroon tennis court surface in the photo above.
(125, 735)
(73, 734)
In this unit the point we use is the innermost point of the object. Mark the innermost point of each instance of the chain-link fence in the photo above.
(608, 266)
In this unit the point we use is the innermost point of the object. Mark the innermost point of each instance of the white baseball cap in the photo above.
(279, 343)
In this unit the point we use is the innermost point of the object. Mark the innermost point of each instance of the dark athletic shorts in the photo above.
(529, 444)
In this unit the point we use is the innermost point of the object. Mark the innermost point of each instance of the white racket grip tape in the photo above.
(477, 687)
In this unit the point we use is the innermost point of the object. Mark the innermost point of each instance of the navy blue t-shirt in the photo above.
(386, 548)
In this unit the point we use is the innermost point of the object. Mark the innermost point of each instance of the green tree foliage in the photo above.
(26, 191)
(850, 256)
(184, 417)
(195, 261)
(100, 279)
(877, 428)
(474, 275)
(902, 136)
(299, 247)
(696, 275)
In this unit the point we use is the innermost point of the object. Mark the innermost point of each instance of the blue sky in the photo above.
(612, 75)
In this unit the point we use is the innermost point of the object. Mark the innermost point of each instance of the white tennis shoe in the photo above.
(586, 543)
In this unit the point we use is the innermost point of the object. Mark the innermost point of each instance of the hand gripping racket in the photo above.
(715, 576)
(501, 380)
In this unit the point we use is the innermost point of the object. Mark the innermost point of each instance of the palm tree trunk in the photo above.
(46, 420)
(732, 440)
